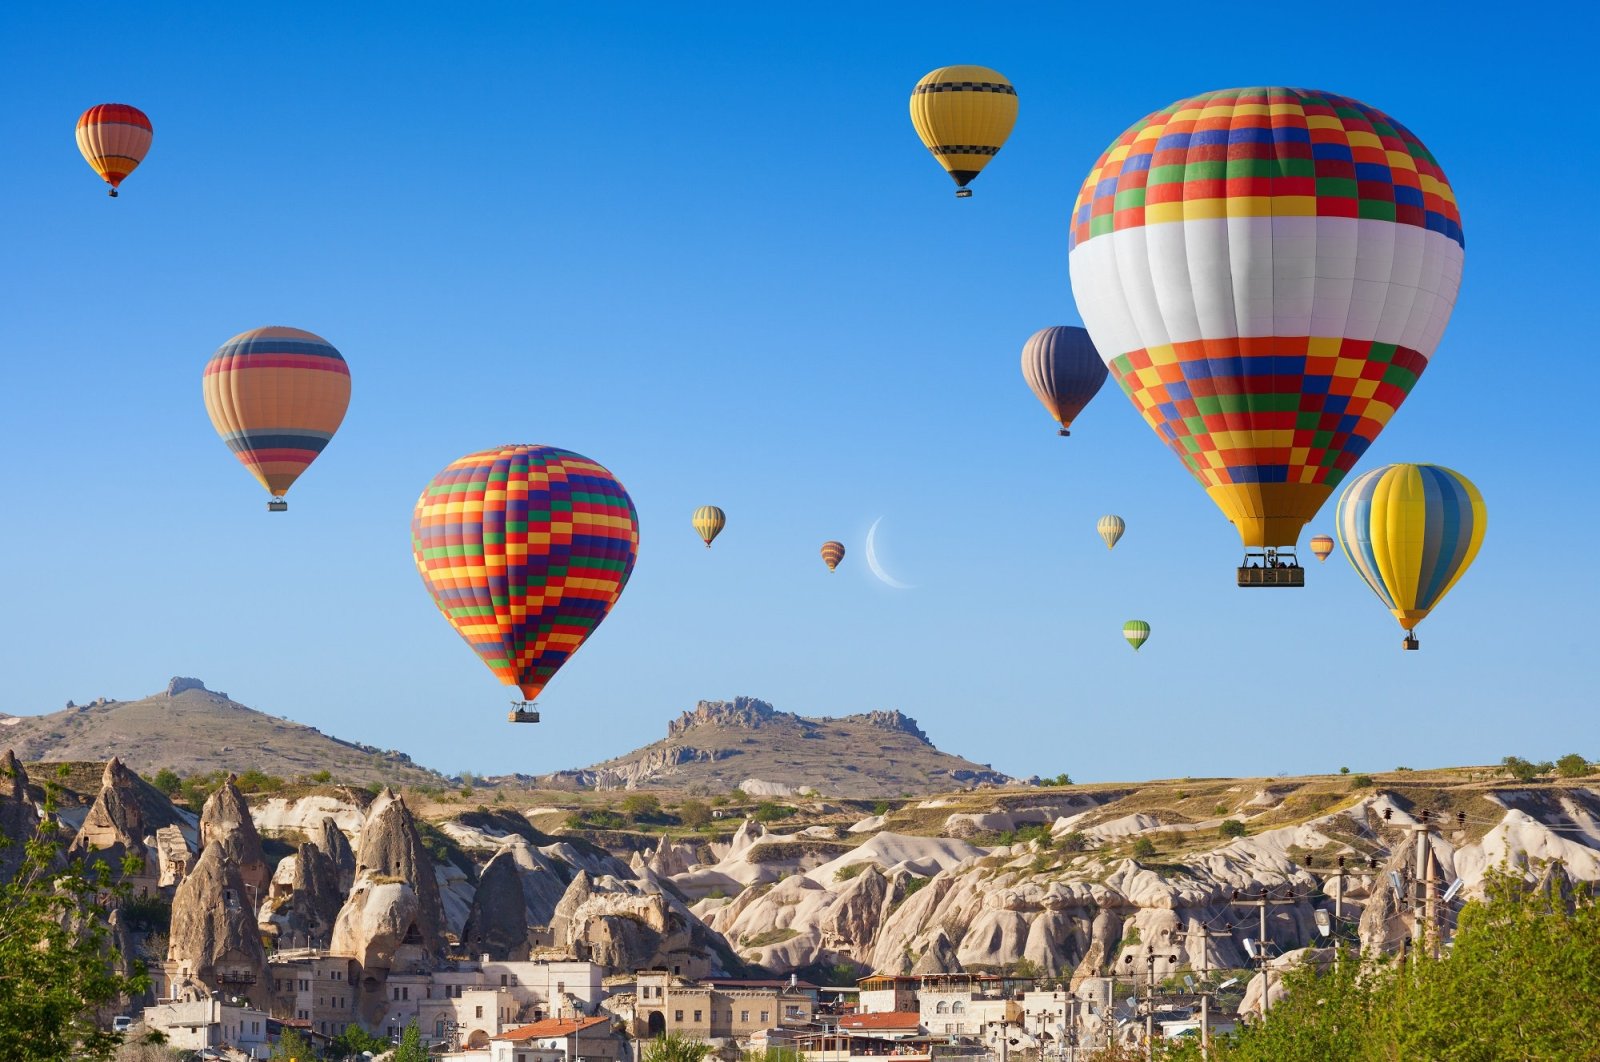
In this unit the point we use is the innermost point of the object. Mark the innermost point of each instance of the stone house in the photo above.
(705, 1011)
(314, 987)
(560, 1040)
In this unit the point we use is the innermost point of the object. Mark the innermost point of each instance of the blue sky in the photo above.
(705, 248)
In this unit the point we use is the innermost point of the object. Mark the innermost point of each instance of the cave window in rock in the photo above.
(656, 1023)
(413, 934)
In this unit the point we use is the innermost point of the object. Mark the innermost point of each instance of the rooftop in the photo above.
(550, 1027)
(897, 1019)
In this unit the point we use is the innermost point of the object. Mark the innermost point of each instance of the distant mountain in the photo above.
(192, 729)
(747, 743)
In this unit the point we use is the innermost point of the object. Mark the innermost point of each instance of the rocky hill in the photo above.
(192, 729)
(746, 743)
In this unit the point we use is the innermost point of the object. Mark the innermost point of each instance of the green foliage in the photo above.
(147, 914)
(1075, 841)
(56, 954)
(322, 777)
(1361, 781)
(256, 781)
(1143, 848)
(1039, 832)
(410, 1049)
(1523, 770)
(784, 1054)
(737, 796)
(1572, 765)
(881, 808)
(851, 870)
(292, 1045)
(1220, 809)
(638, 806)
(1521, 981)
(770, 936)
(167, 781)
(1061, 779)
(1231, 828)
(674, 1048)
(1026, 968)
(694, 814)
(767, 811)
(355, 1040)
(1344, 770)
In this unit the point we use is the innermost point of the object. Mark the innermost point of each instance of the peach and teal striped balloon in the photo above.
(708, 522)
(1411, 531)
(1111, 529)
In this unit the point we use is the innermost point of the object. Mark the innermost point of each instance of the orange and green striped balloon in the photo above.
(832, 554)
(524, 549)
(114, 139)
(276, 396)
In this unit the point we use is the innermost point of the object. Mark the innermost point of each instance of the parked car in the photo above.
(121, 1023)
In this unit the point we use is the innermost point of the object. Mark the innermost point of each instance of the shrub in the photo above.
(1231, 828)
(1519, 768)
(1074, 841)
(1143, 848)
(638, 806)
(694, 813)
(881, 808)
(851, 870)
(1361, 781)
(767, 811)
(1572, 765)
(1220, 809)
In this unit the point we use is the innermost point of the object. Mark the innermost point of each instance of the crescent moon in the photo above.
(872, 559)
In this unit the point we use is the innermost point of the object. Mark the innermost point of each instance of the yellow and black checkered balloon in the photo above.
(963, 115)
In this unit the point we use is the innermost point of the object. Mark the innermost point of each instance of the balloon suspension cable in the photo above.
(524, 712)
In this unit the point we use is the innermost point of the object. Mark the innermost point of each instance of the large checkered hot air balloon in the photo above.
(276, 396)
(1266, 272)
(524, 549)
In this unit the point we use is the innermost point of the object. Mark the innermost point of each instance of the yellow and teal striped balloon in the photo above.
(1411, 531)
(709, 522)
(1137, 632)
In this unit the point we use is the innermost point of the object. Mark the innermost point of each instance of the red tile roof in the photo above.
(899, 1019)
(540, 1030)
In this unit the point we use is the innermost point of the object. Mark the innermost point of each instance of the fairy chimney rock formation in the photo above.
(115, 827)
(393, 912)
(18, 818)
(214, 940)
(497, 924)
(307, 917)
(225, 820)
(333, 844)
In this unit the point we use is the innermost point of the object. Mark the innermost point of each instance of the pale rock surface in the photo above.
(497, 925)
(308, 914)
(213, 934)
(225, 820)
(330, 839)
(390, 848)
(277, 816)
(18, 817)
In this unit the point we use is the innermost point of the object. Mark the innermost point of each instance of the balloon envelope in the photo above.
(963, 115)
(1411, 531)
(708, 522)
(114, 139)
(1321, 546)
(1110, 528)
(1266, 272)
(276, 396)
(832, 554)
(524, 549)
(1060, 365)
(1137, 632)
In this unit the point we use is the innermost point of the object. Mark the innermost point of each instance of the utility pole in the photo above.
(1262, 902)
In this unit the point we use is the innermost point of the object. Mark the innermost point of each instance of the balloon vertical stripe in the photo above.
(114, 138)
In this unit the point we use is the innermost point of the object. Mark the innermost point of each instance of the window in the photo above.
(405, 993)
(958, 1007)
(744, 1015)
(479, 1013)
(305, 984)
(697, 1015)
(791, 1011)
(677, 1015)
(255, 1027)
(765, 1015)
(942, 1008)
(502, 980)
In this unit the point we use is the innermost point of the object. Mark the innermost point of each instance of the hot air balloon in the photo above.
(1062, 368)
(1137, 632)
(276, 396)
(1321, 545)
(832, 554)
(1411, 531)
(1110, 528)
(114, 138)
(1266, 272)
(524, 549)
(963, 115)
(708, 522)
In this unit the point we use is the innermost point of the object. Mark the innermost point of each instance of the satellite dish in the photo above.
(1399, 885)
(1229, 983)
(1250, 947)
(1188, 982)
(1455, 887)
(1324, 926)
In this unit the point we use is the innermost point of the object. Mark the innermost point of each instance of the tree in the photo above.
(292, 1045)
(55, 953)
(1344, 770)
(1572, 765)
(1230, 828)
(638, 806)
(672, 1048)
(355, 1040)
(410, 1049)
(694, 813)
(1519, 768)
(1143, 848)
(167, 781)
